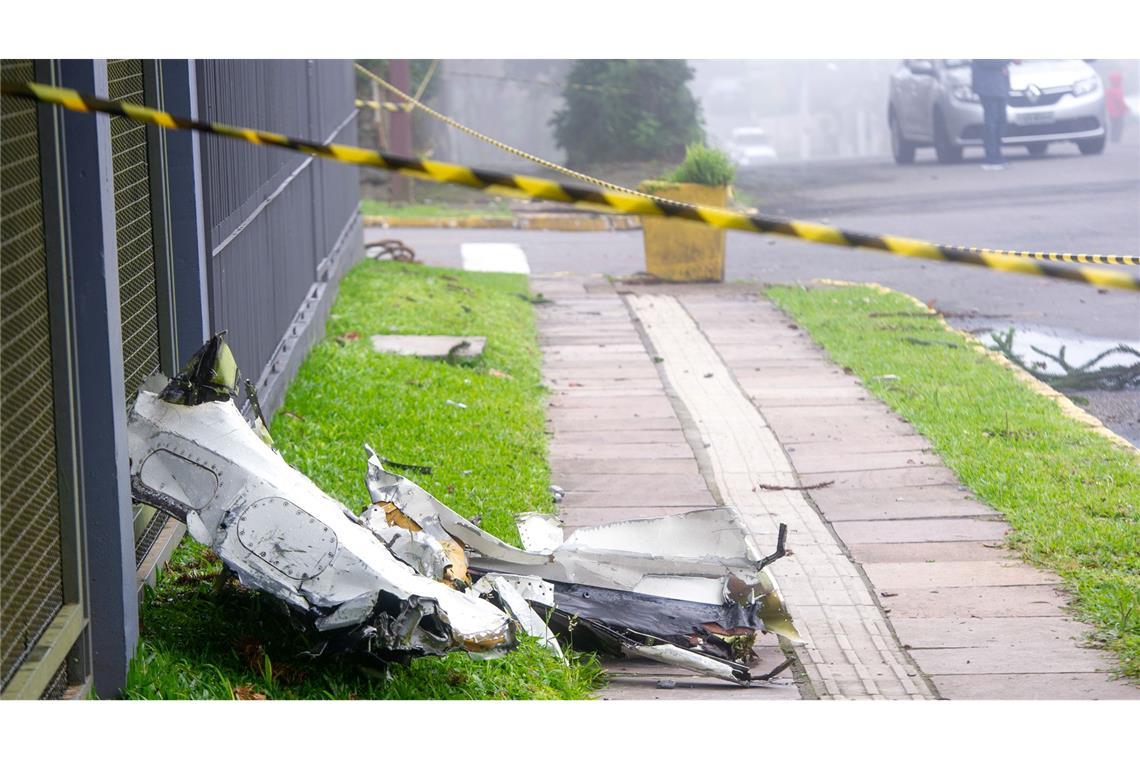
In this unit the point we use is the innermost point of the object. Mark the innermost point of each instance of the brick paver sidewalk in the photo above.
(671, 398)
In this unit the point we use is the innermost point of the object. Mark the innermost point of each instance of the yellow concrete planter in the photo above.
(683, 251)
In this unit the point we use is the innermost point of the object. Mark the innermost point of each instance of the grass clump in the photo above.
(1071, 496)
(704, 166)
(204, 638)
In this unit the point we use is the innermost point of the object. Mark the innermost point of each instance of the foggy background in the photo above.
(826, 121)
(811, 110)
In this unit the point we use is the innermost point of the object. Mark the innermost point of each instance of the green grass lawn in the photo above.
(1071, 496)
(488, 460)
(372, 207)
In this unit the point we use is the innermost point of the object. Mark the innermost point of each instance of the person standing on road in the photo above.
(990, 82)
(1115, 106)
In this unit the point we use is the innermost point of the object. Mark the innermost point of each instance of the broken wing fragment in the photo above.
(412, 576)
(677, 588)
(194, 455)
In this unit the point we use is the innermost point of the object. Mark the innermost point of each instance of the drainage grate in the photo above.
(31, 579)
(57, 689)
(144, 542)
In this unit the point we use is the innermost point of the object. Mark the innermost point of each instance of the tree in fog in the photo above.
(625, 110)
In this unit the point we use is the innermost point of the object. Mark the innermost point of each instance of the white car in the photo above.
(749, 146)
(933, 103)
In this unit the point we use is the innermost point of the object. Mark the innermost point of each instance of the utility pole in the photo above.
(378, 120)
(401, 134)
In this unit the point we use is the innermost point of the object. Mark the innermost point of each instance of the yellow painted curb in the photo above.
(440, 222)
(1068, 408)
(557, 222)
(682, 252)
(577, 222)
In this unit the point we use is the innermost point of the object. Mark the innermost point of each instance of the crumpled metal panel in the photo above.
(694, 582)
(411, 575)
(509, 591)
(704, 556)
(282, 534)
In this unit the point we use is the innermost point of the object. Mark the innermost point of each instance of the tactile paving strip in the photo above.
(851, 650)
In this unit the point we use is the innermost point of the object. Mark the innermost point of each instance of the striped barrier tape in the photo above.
(535, 187)
(377, 105)
(411, 103)
(414, 102)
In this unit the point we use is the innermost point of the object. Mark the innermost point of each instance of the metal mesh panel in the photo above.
(138, 296)
(134, 235)
(30, 554)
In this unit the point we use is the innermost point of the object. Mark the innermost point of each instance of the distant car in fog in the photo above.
(932, 104)
(749, 146)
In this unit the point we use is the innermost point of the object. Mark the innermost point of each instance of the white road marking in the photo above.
(494, 257)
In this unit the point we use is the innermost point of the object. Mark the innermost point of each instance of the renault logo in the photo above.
(1032, 93)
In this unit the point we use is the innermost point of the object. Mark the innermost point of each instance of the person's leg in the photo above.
(1001, 122)
(1116, 128)
(990, 133)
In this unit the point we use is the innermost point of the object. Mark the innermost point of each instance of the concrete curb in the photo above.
(557, 222)
(1068, 408)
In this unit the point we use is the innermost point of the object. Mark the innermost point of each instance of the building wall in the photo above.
(123, 248)
(279, 226)
(511, 100)
(30, 553)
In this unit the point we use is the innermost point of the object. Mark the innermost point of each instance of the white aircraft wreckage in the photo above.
(411, 577)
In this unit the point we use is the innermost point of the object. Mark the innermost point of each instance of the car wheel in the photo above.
(1092, 146)
(947, 152)
(1037, 149)
(901, 148)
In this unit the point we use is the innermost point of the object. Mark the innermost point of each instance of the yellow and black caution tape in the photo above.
(411, 102)
(613, 202)
(377, 105)
(414, 102)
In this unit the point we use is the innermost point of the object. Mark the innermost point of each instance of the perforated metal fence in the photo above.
(275, 222)
(134, 233)
(30, 552)
(134, 237)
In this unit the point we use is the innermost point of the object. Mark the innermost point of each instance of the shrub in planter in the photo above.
(685, 251)
(704, 166)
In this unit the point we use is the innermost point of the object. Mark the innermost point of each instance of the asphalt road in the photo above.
(1063, 202)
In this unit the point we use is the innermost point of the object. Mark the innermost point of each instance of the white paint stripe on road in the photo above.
(851, 651)
(494, 257)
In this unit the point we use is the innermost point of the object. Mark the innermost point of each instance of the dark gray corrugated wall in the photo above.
(279, 226)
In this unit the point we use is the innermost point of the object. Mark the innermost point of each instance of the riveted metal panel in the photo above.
(31, 563)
